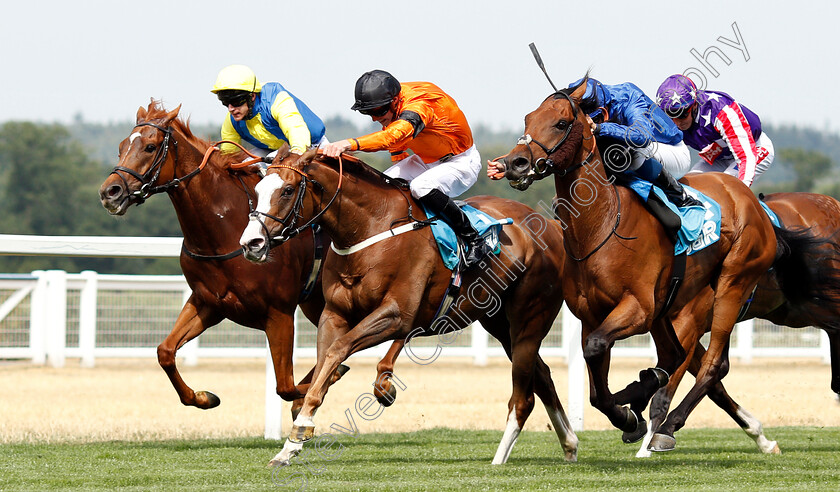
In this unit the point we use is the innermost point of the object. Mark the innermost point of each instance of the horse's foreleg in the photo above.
(280, 333)
(662, 399)
(192, 321)
(336, 342)
(625, 320)
(383, 388)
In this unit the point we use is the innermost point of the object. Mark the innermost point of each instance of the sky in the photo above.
(101, 60)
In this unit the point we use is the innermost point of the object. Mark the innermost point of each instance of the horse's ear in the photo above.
(170, 116)
(282, 153)
(578, 93)
(310, 154)
(141, 114)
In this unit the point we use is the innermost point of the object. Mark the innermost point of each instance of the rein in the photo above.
(613, 232)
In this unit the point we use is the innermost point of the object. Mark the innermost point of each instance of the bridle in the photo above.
(290, 220)
(151, 176)
(545, 166)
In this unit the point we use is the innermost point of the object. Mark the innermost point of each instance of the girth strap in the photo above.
(677, 275)
(317, 263)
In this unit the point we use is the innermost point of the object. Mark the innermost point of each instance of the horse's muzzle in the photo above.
(114, 199)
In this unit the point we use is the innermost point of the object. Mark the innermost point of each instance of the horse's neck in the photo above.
(211, 205)
(361, 210)
(586, 201)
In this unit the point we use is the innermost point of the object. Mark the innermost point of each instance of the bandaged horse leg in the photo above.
(639, 393)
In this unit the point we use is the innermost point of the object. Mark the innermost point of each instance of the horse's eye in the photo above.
(288, 190)
(150, 148)
(561, 125)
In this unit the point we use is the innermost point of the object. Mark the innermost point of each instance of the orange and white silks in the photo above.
(436, 128)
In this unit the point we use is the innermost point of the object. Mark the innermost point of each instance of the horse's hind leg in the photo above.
(544, 387)
(499, 327)
(529, 374)
(192, 321)
(748, 423)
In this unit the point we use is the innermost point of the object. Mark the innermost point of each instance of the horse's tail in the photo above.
(807, 267)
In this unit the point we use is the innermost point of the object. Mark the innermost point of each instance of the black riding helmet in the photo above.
(375, 89)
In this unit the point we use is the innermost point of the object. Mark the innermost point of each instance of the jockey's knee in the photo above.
(421, 187)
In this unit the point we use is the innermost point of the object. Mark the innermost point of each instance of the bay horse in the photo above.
(619, 265)
(817, 305)
(391, 289)
(212, 201)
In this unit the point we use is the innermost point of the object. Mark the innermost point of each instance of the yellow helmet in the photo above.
(236, 77)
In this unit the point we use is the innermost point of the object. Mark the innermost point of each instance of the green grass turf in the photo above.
(440, 459)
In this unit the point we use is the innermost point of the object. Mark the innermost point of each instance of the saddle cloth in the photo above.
(700, 226)
(447, 241)
(773, 217)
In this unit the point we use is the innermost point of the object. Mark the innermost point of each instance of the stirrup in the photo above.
(475, 251)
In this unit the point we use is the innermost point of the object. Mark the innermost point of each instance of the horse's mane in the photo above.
(155, 113)
(359, 169)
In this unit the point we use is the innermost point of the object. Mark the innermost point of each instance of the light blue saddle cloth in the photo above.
(773, 217)
(488, 227)
(700, 225)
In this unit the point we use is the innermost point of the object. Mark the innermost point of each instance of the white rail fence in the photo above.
(50, 316)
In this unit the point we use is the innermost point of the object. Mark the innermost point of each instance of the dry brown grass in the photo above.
(133, 400)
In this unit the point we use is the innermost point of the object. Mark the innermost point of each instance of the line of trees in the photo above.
(50, 175)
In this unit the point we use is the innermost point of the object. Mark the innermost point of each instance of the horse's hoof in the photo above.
(637, 434)
(662, 442)
(275, 463)
(206, 400)
(770, 447)
(387, 399)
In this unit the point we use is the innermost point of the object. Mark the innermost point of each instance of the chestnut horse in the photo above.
(212, 201)
(391, 289)
(619, 265)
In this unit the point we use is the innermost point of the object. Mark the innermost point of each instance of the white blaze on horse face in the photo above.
(265, 190)
(131, 140)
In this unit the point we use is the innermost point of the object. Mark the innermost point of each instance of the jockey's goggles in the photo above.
(376, 112)
(236, 99)
(679, 113)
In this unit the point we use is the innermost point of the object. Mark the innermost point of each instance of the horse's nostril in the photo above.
(519, 163)
(256, 244)
(115, 190)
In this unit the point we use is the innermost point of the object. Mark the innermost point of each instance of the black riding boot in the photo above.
(675, 191)
(438, 203)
